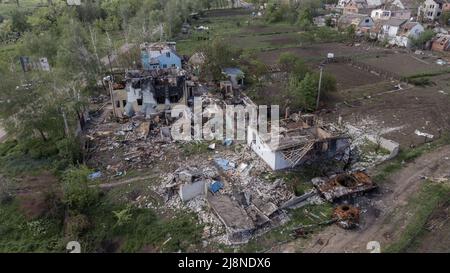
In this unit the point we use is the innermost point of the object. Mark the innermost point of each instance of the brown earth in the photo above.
(436, 237)
(385, 217)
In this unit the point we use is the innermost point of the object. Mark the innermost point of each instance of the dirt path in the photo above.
(123, 182)
(390, 220)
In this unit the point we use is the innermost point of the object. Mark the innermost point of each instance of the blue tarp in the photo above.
(223, 163)
(216, 186)
(95, 175)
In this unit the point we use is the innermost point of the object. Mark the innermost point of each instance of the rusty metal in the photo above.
(346, 216)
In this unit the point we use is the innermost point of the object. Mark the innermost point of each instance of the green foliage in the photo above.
(19, 235)
(219, 55)
(420, 207)
(304, 92)
(78, 195)
(76, 225)
(123, 216)
(424, 37)
(445, 18)
(293, 64)
(19, 21)
(299, 217)
(305, 18)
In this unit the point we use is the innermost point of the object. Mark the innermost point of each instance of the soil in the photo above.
(384, 215)
(35, 194)
(436, 237)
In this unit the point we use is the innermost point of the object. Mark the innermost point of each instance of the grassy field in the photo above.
(26, 5)
(421, 207)
(299, 217)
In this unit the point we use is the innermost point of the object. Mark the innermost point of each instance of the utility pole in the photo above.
(320, 85)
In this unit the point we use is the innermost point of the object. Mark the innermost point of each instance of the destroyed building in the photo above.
(299, 139)
(157, 56)
(150, 92)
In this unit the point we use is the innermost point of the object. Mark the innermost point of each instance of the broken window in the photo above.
(118, 103)
(124, 103)
(139, 102)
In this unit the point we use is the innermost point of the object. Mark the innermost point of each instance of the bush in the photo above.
(76, 225)
(77, 194)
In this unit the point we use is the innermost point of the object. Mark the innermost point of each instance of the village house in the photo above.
(389, 29)
(431, 10)
(146, 94)
(160, 56)
(409, 5)
(300, 138)
(386, 14)
(361, 22)
(408, 31)
(355, 7)
(441, 43)
(399, 32)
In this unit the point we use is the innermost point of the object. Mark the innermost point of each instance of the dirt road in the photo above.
(385, 220)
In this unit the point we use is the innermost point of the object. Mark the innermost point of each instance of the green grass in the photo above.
(299, 217)
(194, 148)
(146, 229)
(369, 147)
(407, 155)
(421, 205)
(25, 5)
(18, 234)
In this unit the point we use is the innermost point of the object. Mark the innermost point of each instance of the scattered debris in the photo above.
(212, 146)
(346, 216)
(95, 175)
(426, 135)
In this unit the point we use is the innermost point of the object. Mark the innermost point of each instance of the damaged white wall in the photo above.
(274, 159)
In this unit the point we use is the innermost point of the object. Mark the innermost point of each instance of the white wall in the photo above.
(275, 160)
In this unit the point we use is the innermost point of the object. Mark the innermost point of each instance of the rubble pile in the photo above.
(229, 194)
(116, 148)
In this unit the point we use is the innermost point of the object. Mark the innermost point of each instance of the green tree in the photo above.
(19, 21)
(303, 93)
(305, 18)
(445, 18)
(77, 193)
(218, 55)
(424, 37)
(293, 64)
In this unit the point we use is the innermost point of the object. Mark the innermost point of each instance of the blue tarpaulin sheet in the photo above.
(216, 186)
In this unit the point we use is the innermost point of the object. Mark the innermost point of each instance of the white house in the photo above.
(400, 32)
(380, 14)
(407, 32)
(431, 9)
(394, 12)
(389, 29)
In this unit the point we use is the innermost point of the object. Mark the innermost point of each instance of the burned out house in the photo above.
(150, 92)
(300, 139)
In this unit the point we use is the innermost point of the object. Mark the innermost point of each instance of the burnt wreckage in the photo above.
(149, 93)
